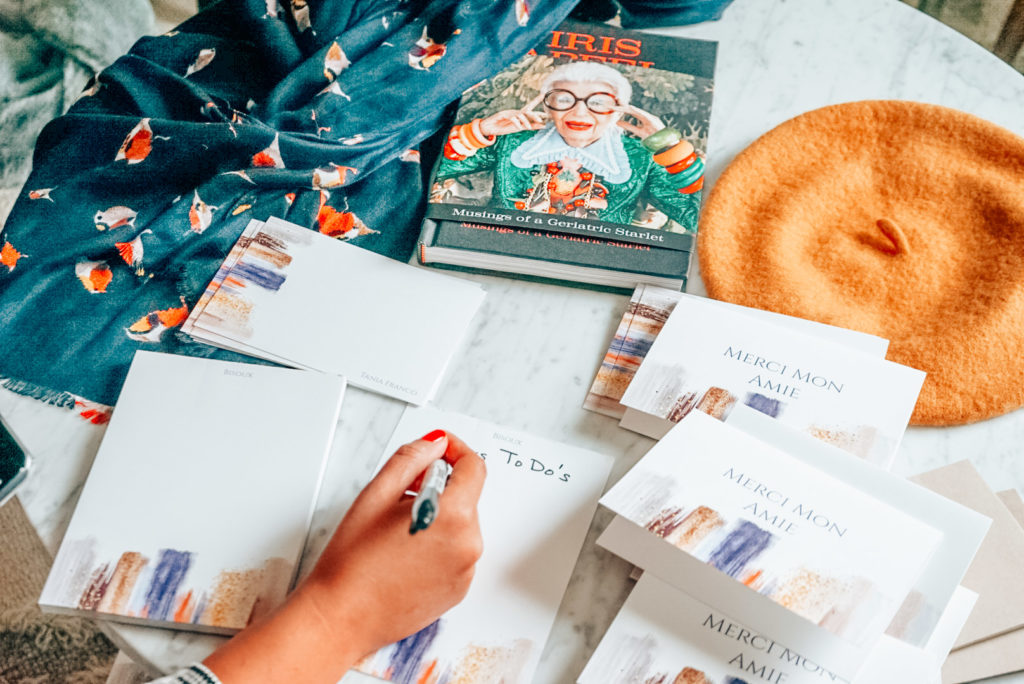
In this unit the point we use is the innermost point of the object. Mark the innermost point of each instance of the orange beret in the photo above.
(899, 219)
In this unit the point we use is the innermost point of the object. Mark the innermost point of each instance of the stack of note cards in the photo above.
(196, 510)
(293, 296)
(676, 353)
(536, 507)
(808, 562)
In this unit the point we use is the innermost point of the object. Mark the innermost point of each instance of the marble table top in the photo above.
(533, 350)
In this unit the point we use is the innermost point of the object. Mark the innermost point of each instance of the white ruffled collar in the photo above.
(605, 156)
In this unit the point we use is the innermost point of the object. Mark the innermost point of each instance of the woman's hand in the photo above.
(375, 583)
(646, 123)
(514, 120)
(397, 583)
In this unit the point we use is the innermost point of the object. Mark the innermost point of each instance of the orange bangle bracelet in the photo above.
(460, 147)
(478, 132)
(465, 137)
(693, 187)
(682, 165)
(677, 153)
(468, 136)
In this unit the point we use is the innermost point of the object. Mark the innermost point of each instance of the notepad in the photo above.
(536, 507)
(293, 296)
(196, 509)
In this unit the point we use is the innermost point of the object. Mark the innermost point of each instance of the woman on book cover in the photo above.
(574, 157)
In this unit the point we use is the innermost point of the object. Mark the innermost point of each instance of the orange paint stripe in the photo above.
(425, 678)
(184, 611)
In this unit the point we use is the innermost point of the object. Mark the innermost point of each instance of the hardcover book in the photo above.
(293, 296)
(536, 507)
(710, 358)
(776, 544)
(190, 517)
(583, 161)
(646, 313)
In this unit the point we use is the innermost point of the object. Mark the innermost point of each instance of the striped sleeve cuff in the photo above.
(197, 673)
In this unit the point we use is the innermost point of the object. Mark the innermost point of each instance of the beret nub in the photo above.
(900, 219)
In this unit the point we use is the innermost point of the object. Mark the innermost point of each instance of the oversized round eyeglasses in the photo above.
(563, 100)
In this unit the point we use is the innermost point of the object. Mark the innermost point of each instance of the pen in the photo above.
(425, 506)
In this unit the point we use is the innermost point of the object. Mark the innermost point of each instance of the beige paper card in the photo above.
(994, 575)
(997, 655)
(1012, 500)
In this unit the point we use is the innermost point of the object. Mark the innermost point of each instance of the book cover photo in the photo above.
(710, 358)
(190, 517)
(535, 510)
(586, 153)
(771, 540)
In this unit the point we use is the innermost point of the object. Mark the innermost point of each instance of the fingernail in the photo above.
(434, 436)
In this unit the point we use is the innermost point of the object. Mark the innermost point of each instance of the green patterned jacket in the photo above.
(648, 181)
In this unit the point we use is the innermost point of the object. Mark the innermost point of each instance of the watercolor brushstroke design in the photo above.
(229, 262)
(645, 316)
(632, 662)
(666, 394)
(262, 266)
(136, 586)
(915, 620)
(421, 659)
(743, 550)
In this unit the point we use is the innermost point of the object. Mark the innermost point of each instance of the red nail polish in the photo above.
(434, 436)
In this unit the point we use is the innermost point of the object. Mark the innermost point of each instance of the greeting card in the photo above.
(646, 313)
(710, 358)
(963, 529)
(777, 544)
(662, 634)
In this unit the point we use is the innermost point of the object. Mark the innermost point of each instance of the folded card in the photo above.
(777, 544)
(536, 507)
(297, 297)
(198, 503)
(662, 634)
(711, 358)
(963, 529)
(646, 313)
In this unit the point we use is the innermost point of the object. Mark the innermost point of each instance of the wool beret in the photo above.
(899, 219)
